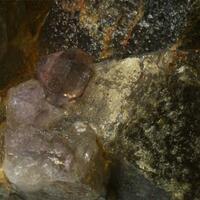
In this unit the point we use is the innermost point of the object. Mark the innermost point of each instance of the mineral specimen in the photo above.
(35, 158)
(113, 28)
(144, 109)
(43, 149)
(26, 105)
(64, 75)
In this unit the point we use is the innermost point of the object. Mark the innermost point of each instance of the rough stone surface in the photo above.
(162, 136)
(116, 28)
(104, 104)
(146, 110)
(129, 183)
(191, 39)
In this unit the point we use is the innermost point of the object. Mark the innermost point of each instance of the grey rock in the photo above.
(161, 137)
(4, 194)
(111, 28)
(129, 183)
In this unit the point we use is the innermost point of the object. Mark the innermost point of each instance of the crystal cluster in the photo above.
(42, 149)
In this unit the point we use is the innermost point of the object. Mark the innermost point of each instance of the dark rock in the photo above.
(191, 38)
(72, 6)
(145, 109)
(129, 183)
(27, 105)
(116, 28)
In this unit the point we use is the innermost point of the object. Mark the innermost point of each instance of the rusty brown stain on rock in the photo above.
(114, 29)
(107, 39)
(133, 23)
(72, 6)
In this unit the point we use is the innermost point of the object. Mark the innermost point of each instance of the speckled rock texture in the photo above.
(117, 28)
(146, 109)
(142, 111)
(162, 136)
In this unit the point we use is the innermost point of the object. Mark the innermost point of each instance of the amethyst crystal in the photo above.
(64, 75)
